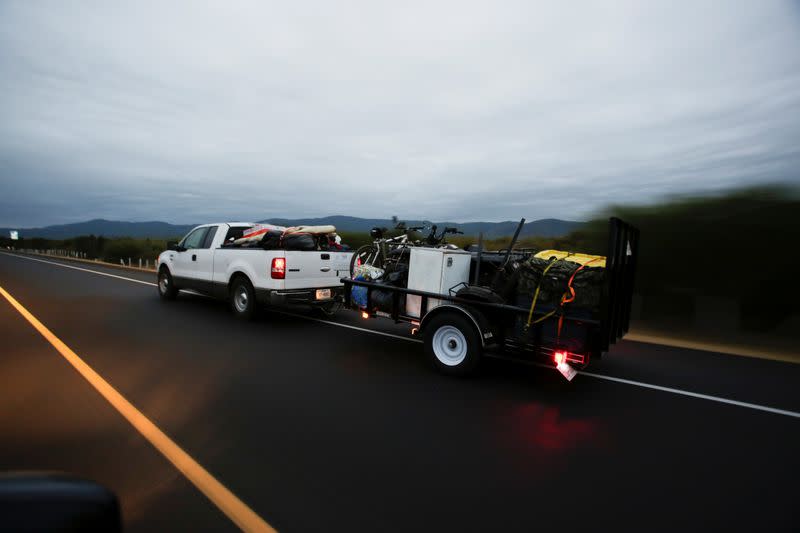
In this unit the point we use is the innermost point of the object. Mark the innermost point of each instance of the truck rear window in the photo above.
(234, 233)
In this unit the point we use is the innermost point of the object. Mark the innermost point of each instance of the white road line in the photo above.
(348, 326)
(81, 269)
(680, 392)
(793, 414)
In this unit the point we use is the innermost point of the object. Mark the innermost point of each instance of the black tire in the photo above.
(166, 287)
(368, 254)
(242, 298)
(453, 344)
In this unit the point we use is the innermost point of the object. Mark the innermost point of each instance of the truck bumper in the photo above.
(297, 296)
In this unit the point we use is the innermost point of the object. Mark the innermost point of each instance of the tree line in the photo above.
(740, 245)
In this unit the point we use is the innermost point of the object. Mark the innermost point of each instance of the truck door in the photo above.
(315, 269)
(186, 263)
(201, 266)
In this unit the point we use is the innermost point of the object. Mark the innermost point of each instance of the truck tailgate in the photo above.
(315, 269)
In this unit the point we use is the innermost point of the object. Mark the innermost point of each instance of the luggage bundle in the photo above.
(556, 279)
(553, 284)
(302, 238)
(364, 273)
(258, 233)
(381, 299)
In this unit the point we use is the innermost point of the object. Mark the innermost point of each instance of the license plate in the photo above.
(323, 294)
(567, 371)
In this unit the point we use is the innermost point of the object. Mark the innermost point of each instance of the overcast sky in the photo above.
(186, 112)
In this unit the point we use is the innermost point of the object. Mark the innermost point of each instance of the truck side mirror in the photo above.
(175, 247)
(56, 502)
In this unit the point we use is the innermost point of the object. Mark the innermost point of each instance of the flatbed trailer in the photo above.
(456, 330)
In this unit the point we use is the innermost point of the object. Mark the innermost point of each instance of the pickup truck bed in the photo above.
(249, 275)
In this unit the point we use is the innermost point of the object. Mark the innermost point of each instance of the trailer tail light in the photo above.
(278, 270)
(563, 356)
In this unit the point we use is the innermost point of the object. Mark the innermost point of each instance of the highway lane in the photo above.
(50, 419)
(687, 369)
(321, 427)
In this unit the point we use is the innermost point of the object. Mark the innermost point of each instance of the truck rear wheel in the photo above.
(452, 344)
(166, 288)
(243, 298)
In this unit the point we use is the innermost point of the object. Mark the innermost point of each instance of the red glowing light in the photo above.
(364, 314)
(560, 357)
(278, 270)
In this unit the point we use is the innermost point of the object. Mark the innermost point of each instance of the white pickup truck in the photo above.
(206, 262)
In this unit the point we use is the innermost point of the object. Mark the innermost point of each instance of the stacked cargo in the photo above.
(304, 238)
(554, 284)
(553, 278)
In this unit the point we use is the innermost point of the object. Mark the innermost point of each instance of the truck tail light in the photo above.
(559, 357)
(278, 270)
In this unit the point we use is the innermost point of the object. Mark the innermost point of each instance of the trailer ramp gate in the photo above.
(623, 251)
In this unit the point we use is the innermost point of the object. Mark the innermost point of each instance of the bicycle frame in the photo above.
(378, 252)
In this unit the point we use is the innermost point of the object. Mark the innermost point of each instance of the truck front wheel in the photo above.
(452, 344)
(243, 298)
(166, 288)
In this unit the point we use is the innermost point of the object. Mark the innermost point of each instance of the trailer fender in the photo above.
(475, 316)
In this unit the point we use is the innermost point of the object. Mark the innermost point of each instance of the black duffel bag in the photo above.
(300, 242)
(272, 240)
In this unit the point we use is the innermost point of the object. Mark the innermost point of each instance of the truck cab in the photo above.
(206, 261)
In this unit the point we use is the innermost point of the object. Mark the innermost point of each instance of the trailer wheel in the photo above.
(166, 288)
(243, 298)
(452, 344)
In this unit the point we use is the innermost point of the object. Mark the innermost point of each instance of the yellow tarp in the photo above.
(595, 260)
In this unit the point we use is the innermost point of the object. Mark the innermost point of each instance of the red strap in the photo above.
(565, 300)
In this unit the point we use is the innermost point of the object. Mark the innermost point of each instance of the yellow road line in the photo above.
(244, 517)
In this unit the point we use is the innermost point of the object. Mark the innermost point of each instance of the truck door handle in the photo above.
(194, 257)
(325, 269)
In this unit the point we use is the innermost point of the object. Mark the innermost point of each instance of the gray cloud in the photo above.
(461, 111)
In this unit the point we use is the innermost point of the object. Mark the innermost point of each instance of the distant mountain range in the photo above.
(549, 227)
(108, 228)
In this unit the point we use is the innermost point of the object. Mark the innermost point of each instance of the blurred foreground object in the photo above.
(49, 501)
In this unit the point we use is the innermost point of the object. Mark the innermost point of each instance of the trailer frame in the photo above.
(494, 321)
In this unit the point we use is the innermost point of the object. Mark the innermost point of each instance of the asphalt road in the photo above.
(321, 427)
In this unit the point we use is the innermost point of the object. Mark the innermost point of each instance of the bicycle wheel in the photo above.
(366, 255)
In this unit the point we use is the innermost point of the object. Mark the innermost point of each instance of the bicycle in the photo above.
(440, 241)
(383, 253)
(388, 253)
